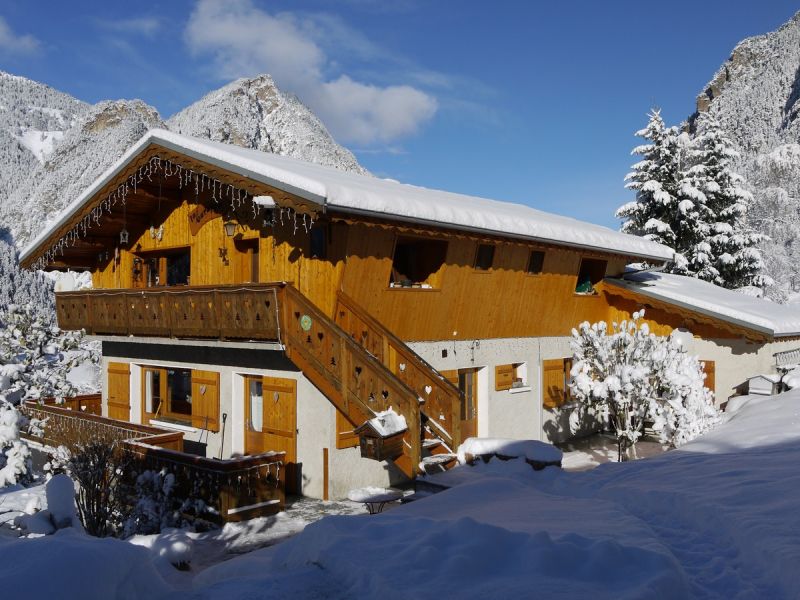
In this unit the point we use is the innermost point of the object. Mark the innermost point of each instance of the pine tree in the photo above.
(688, 198)
(733, 243)
(655, 179)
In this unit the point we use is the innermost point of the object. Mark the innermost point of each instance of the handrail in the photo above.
(415, 371)
(346, 368)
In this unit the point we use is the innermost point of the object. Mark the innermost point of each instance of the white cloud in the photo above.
(11, 43)
(244, 41)
(146, 26)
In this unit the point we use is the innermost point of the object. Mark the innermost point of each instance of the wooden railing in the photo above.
(356, 382)
(236, 489)
(89, 403)
(225, 312)
(441, 399)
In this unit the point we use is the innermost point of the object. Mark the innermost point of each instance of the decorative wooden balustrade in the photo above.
(442, 400)
(224, 312)
(235, 489)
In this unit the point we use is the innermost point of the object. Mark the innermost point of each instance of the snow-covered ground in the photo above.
(718, 518)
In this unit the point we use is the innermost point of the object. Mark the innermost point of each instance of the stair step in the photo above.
(438, 459)
(430, 443)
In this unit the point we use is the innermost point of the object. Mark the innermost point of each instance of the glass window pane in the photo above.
(179, 384)
(256, 405)
(152, 391)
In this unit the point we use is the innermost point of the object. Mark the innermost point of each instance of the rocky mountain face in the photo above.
(254, 113)
(52, 146)
(755, 95)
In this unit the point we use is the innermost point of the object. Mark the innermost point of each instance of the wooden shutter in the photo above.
(119, 391)
(205, 400)
(554, 378)
(451, 376)
(345, 438)
(504, 377)
(709, 367)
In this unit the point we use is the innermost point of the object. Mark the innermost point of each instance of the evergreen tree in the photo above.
(688, 198)
(737, 260)
(656, 183)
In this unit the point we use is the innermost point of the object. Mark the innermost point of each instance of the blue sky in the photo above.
(528, 101)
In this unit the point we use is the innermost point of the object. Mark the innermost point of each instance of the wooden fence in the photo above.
(233, 489)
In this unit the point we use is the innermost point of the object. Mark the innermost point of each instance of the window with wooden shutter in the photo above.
(555, 382)
(709, 368)
(119, 391)
(504, 377)
(205, 400)
(345, 438)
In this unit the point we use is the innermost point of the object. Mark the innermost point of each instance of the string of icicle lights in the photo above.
(220, 192)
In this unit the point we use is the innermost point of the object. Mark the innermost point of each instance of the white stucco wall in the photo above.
(316, 423)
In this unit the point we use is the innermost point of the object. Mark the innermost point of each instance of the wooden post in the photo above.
(324, 473)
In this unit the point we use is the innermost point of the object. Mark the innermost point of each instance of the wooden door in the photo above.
(271, 421)
(246, 261)
(119, 391)
(466, 380)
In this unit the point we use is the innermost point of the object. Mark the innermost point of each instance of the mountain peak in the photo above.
(254, 113)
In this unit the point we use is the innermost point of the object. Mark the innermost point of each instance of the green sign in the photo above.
(305, 323)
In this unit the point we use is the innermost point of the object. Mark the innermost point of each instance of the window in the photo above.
(168, 268)
(167, 394)
(416, 262)
(484, 257)
(535, 262)
(256, 392)
(319, 242)
(555, 382)
(591, 272)
(511, 376)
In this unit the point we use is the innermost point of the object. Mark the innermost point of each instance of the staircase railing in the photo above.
(353, 379)
(441, 399)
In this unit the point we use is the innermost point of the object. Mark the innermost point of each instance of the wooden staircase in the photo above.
(362, 368)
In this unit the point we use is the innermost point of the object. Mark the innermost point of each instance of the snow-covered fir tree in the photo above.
(630, 376)
(22, 287)
(733, 243)
(655, 179)
(689, 198)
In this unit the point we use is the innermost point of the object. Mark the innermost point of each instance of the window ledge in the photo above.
(519, 390)
(412, 289)
(173, 426)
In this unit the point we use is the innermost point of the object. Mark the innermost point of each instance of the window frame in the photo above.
(164, 411)
(492, 249)
(434, 279)
(593, 291)
(532, 252)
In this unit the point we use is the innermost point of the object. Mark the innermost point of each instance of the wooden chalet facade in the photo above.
(257, 303)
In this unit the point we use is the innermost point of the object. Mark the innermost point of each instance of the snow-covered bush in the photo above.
(153, 504)
(632, 376)
(15, 461)
(100, 471)
(35, 358)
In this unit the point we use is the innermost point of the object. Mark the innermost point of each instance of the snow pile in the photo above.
(532, 450)
(71, 565)
(374, 494)
(59, 512)
(792, 379)
(15, 461)
(388, 423)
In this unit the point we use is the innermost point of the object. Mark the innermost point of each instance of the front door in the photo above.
(466, 380)
(271, 423)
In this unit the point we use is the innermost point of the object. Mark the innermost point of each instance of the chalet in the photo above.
(255, 302)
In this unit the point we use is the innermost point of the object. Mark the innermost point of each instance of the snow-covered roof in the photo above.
(382, 198)
(776, 320)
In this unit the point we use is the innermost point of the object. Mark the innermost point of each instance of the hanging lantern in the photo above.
(230, 228)
(123, 237)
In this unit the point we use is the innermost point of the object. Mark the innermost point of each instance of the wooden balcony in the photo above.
(222, 312)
